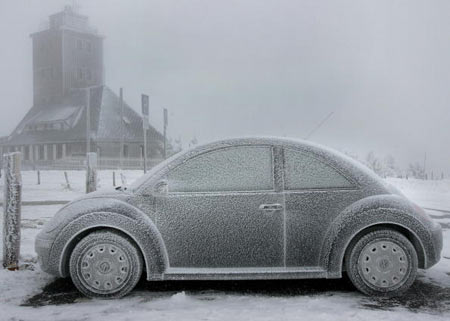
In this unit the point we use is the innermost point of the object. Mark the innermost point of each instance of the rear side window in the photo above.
(303, 171)
(241, 168)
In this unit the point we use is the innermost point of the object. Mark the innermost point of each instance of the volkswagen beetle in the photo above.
(250, 208)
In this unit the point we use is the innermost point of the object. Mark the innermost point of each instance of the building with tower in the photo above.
(72, 103)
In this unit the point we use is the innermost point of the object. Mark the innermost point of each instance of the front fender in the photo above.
(78, 217)
(371, 211)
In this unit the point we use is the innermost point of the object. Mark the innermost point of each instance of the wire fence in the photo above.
(79, 163)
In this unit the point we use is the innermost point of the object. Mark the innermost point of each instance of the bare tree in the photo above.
(416, 170)
(374, 163)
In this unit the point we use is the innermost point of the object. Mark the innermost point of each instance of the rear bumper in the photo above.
(436, 237)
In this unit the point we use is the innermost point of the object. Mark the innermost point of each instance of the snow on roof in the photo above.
(56, 114)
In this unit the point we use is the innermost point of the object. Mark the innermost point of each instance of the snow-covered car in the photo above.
(250, 208)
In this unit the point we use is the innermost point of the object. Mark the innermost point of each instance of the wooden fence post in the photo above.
(39, 177)
(91, 172)
(114, 179)
(67, 180)
(123, 179)
(12, 210)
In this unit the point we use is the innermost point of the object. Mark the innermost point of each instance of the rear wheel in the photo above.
(105, 264)
(382, 263)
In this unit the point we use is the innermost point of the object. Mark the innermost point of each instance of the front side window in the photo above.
(242, 168)
(303, 171)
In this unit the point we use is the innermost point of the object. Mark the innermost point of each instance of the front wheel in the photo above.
(105, 264)
(382, 263)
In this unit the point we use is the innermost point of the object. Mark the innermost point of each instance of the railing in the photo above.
(79, 163)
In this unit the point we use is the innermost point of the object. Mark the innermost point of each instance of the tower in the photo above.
(66, 55)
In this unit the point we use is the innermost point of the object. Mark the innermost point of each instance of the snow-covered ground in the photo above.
(54, 187)
(428, 194)
(30, 294)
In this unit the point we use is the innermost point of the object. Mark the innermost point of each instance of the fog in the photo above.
(273, 67)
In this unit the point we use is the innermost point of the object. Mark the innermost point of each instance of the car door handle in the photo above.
(270, 207)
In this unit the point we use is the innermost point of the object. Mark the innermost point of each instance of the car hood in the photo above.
(109, 193)
(78, 204)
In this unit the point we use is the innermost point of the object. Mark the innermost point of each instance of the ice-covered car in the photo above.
(250, 208)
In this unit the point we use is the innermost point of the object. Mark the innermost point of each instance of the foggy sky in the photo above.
(272, 67)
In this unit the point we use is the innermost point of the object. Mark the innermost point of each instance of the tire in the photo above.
(382, 263)
(105, 264)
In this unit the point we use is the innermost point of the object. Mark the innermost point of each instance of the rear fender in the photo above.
(386, 210)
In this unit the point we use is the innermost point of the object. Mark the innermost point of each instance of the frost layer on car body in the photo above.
(251, 208)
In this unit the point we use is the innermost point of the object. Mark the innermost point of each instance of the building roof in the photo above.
(68, 19)
(66, 121)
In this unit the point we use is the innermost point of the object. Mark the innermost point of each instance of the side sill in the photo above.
(243, 273)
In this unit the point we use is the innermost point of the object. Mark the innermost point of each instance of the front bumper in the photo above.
(43, 247)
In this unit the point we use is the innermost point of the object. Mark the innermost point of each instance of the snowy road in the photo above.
(31, 294)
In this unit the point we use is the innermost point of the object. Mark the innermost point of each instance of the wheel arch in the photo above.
(372, 213)
(70, 246)
(139, 229)
(408, 233)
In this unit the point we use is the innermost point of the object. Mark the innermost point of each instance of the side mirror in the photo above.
(162, 187)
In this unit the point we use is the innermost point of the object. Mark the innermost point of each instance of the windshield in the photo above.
(144, 178)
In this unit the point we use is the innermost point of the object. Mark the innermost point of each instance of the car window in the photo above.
(303, 171)
(241, 168)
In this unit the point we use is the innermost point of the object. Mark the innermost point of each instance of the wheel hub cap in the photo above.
(383, 264)
(104, 267)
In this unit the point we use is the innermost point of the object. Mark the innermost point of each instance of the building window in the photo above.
(125, 150)
(126, 120)
(80, 74)
(79, 44)
(41, 152)
(59, 151)
(47, 73)
(88, 74)
(88, 46)
(27, 153)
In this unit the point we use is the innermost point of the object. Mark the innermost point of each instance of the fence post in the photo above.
(12, 210)
(67, 180)
(39, 177)
(114, 179)
(91, 172)
(123, 179)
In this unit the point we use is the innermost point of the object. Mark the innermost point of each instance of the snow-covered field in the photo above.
(54, 187)
(30, 294)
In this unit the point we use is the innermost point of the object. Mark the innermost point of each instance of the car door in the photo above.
(222, 210)
(315, 193)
